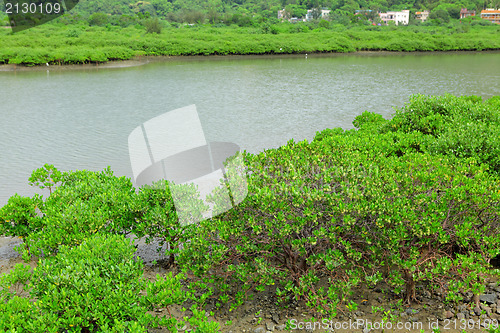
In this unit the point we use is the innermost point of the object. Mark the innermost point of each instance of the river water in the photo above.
(81, 118)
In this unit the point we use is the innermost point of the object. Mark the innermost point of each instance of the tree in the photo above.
(296, 10)
(316, 13)
(99, 19)
(440, 15)
(153, 25)
(162, 8)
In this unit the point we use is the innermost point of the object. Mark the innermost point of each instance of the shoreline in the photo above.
(144, 60)
(134, 62)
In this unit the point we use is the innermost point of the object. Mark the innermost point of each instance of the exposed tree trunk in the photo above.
(410, 288)
(475, 299)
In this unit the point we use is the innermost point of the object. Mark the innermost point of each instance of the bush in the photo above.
(459, 126)
(83, 204)
(367, 119)
(156, 217)
(323, 217)
(99, 19)
(19, 217)
(94, 286)
(153, 25)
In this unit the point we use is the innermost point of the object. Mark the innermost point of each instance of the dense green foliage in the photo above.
(246, 11)
(411, 200)
(94, 287)
(79, 44)
(328, 215)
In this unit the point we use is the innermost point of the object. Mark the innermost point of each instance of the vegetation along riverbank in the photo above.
(80, 44)
(396, 220)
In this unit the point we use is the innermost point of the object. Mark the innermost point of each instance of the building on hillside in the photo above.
(284, 15)
(402, 17)
(362, 12)
(281, 14)
(310, 14)
(492, 15)
(422, 16)
(466, 13)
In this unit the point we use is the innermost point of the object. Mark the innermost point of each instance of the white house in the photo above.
(324, 14)
(422, 16)
(402, 17)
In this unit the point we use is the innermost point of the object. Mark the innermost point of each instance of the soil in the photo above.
(261, 314)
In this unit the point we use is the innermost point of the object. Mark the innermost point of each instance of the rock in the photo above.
(183, 328)
(276, 318)
(280, 327)
(270, 326)
(488, 298)
(445, 314)
(427, 294)
(477, 311)
(460, 316)
(412, 311)
(468, 296)
(448, 314)
(259, 330)
(413, 319)
(366, 330)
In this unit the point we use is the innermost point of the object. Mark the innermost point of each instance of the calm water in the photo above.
(81, 119)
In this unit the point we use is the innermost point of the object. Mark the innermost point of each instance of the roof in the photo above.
(490, 11)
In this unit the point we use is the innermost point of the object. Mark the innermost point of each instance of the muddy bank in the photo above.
(143, 60)
(139, 61)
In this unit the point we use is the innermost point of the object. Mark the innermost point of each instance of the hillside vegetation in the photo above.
(216, 11)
